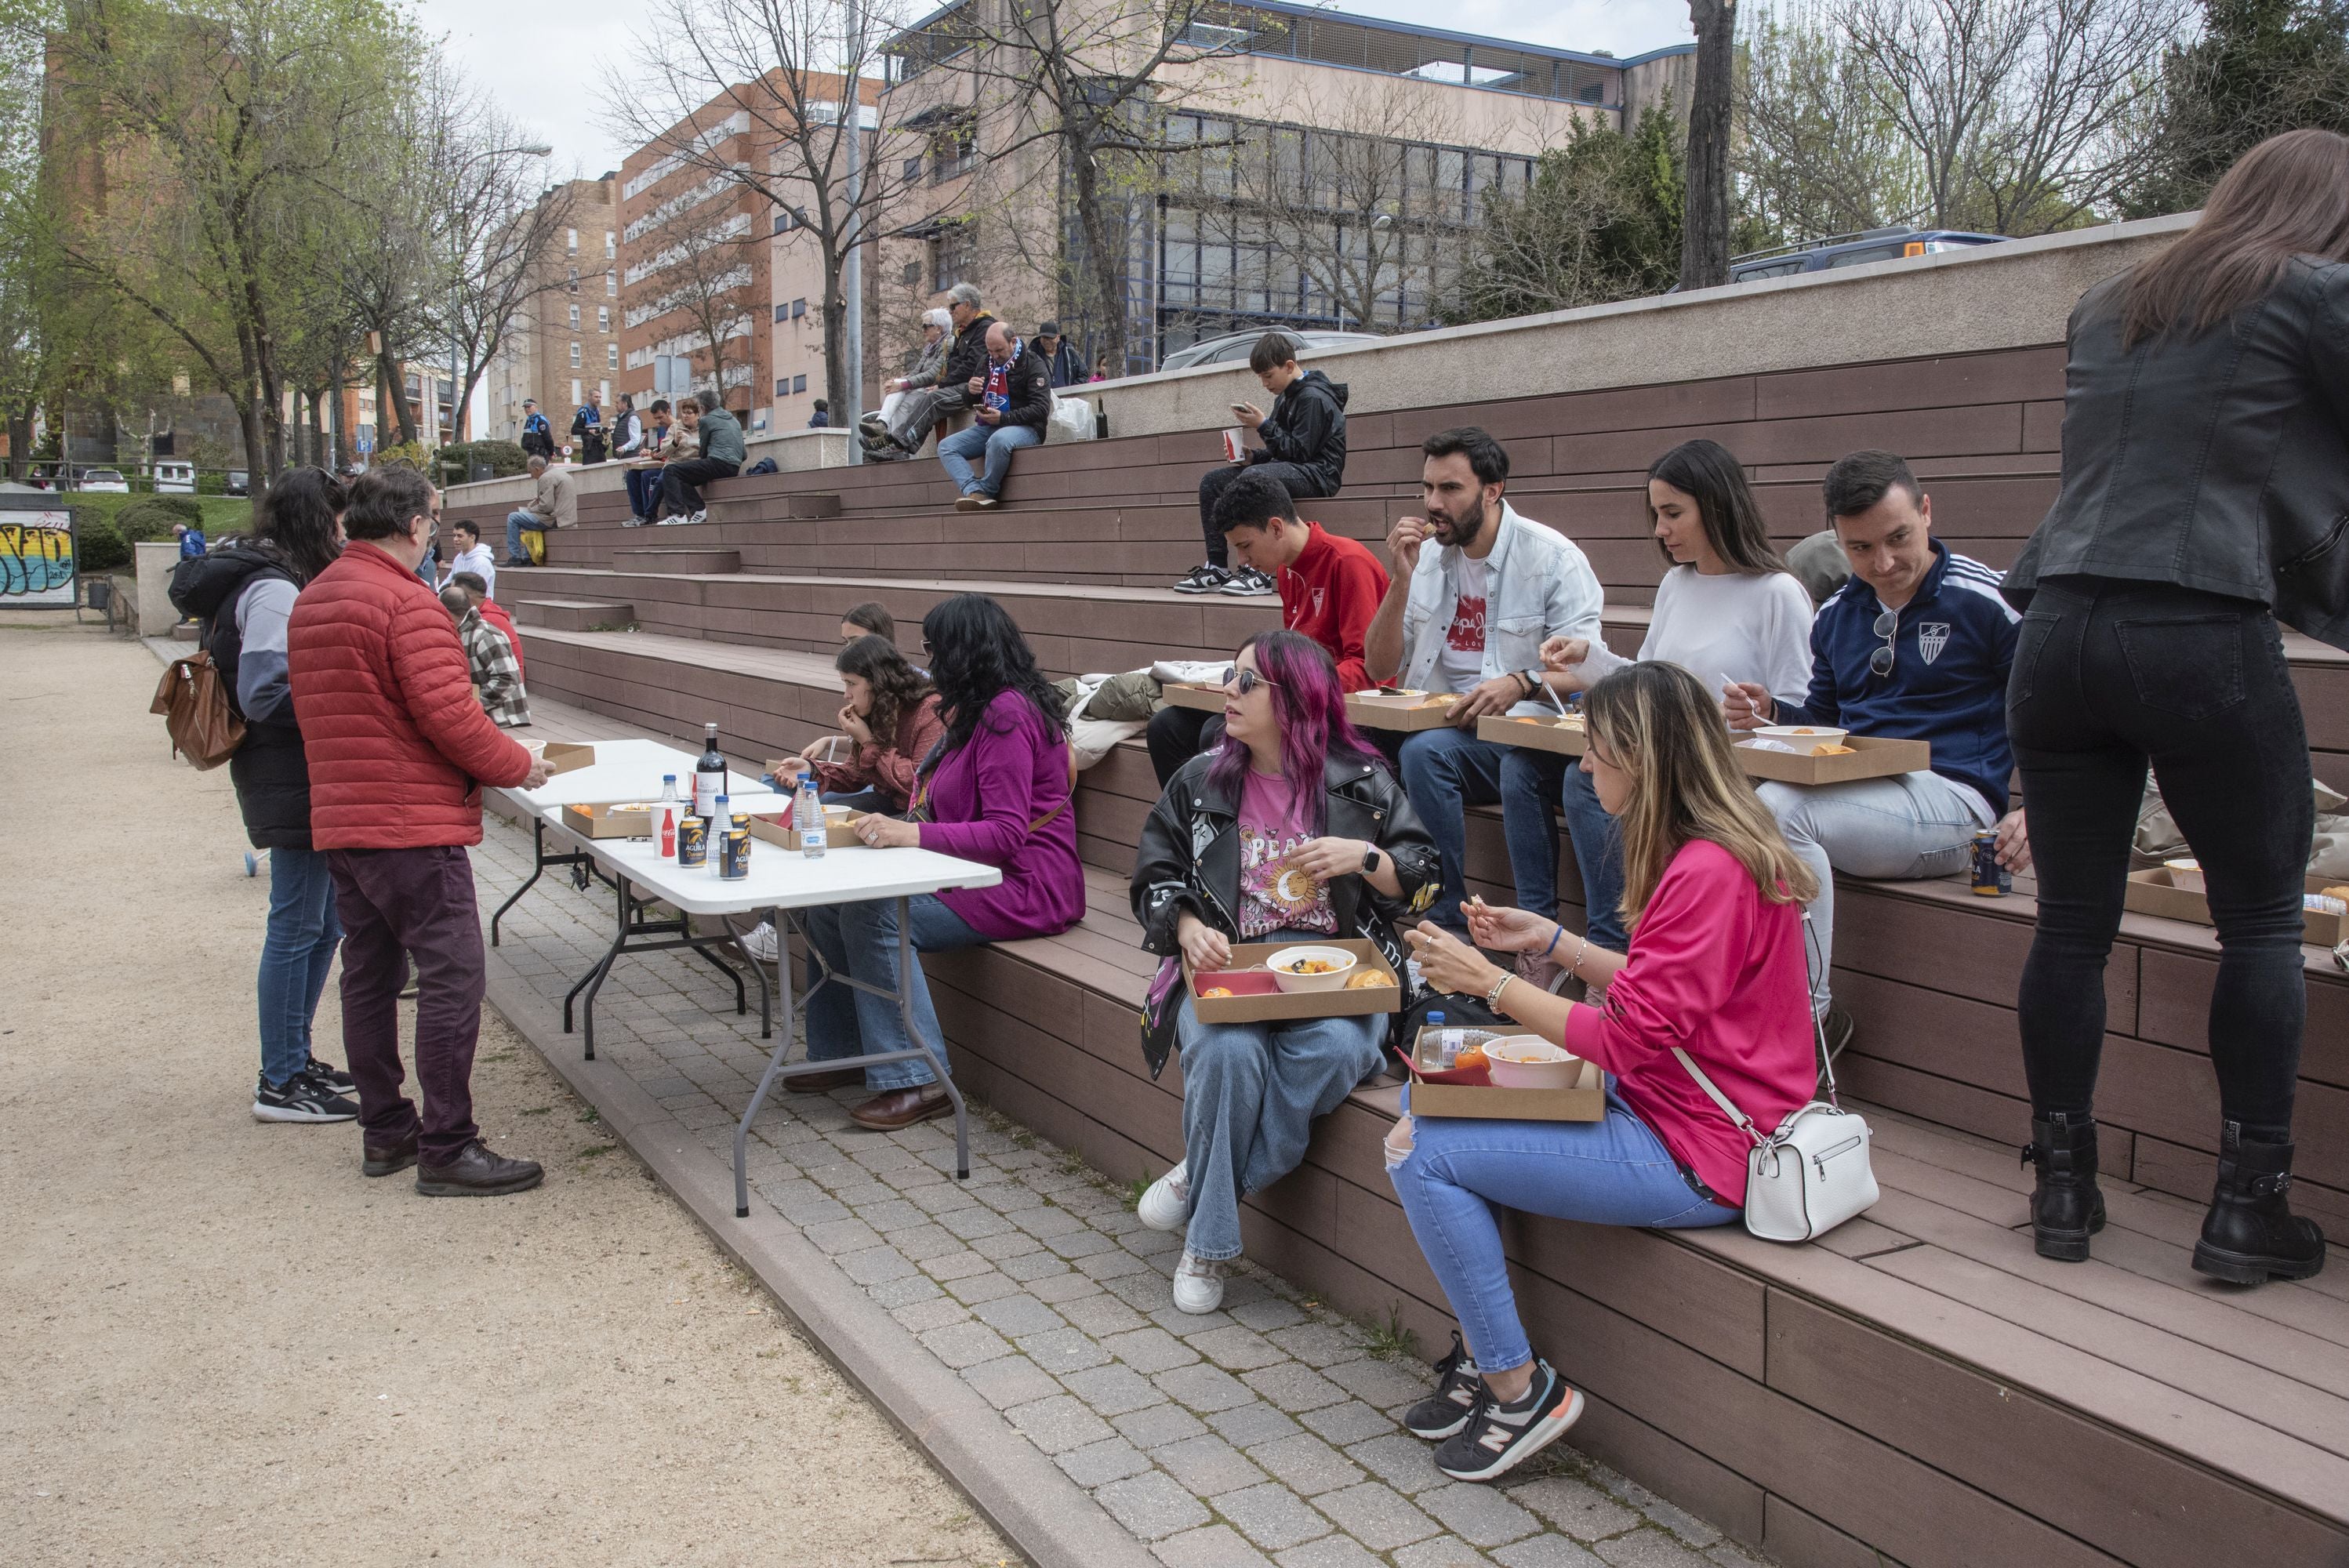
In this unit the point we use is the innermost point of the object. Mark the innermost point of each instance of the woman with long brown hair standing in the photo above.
(2205, 499)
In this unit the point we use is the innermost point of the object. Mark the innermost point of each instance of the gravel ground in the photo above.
(220, 1344)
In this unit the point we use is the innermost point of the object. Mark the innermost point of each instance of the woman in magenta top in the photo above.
(995, 790)
(1715, 968)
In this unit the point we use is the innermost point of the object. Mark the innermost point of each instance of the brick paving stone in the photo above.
(844, 1236)
(1014, 1316)
(972, 1290)
(1120, 1264)
(1097, 1464)
(1084, 1243)
(1267, 1315)
(1305, 1464)
(1114, 1390)
(1010, 1380)
(1203, 1388)
(1729, 1554)
(1208, 1465)
(947, 1197)
(1144, 1291)
(1054, 1290)
(974, 1222)
(1148, 1243)
(1058, 1424)
(1400, 1459)
(1156, 1425)
(1547, 1551)
(935, 1312)
(1063, 1350)
(1101, 1315)
(1294, 1386)
(923, 1241)
(1217, 1546)
(1252, 1423)
(1581, 1510)
(1679, 1521)
(1477, 1514)
(1382, 1383)
(1185, 1324)
(1376, 1515)
(1653, 1547)
(961, 1344)
(1444, 1552)
(876, 1265)
(1151, 1349)
(1318, 1344)
(1235, 1348)
(960, 1264)
(895, 1215)
(1045, 1223)
(1347, 1423)
(1329, 1552)
(1152, 1505)
(1271, 1515)
(1010, 1243)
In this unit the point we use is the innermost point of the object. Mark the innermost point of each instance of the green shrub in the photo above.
(151, 518)
(99, 546)
(505, 458)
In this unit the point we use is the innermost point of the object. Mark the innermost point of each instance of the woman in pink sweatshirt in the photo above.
(1715, 968)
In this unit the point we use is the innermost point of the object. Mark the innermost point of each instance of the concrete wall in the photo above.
(155, 563)
(795, 452)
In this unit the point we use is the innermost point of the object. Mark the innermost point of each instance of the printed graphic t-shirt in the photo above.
(1273, 895)
(1460, 666)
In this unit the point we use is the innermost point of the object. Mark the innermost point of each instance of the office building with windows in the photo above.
(565, 340)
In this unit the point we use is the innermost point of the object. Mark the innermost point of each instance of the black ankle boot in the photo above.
(2065, 1207)
(2251, 1235)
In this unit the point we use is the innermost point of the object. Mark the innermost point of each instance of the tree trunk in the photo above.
(835, 334)
(393, 397)
(1104, 261)
(1705, 228)
(20, 444)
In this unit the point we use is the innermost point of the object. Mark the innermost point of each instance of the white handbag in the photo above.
(1809, 1176)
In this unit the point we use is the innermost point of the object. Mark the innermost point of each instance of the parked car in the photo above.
(239, 482)
(1852, 251)
(175, 478)
(1233, 348)
(107, 481)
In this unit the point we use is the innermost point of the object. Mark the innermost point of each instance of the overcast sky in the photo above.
(545, 65)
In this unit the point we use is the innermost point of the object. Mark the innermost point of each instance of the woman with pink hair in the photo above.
(1291, 829)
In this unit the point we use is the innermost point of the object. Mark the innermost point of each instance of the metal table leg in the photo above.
(774, 1064)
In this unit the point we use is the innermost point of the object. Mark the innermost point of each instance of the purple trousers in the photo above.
(395, 903)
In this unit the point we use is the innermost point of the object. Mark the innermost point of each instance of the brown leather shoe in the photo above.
(902, 1107)
(478, 1171)
(824, 1083)
(387, 1159)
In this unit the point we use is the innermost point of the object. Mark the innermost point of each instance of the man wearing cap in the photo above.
(1061, 357)
(537, 435)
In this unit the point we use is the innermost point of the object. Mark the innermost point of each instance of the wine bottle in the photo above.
(709, 776)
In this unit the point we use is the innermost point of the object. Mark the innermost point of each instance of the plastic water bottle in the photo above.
(719, 820)
(808, 814)
(1447, 1043)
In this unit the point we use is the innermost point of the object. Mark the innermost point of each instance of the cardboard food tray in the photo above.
(608, 822)
(1257, 998)
(1407, 715)
(840, 832)
(1870, 758)
(1587, 1101)
(563, 755)
(1551, 734)
(2150, 892)
(1197, 697)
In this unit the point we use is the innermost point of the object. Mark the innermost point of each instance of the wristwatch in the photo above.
(1371, 862)
(1533, 681)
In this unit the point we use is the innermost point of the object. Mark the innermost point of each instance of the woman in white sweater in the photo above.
(1727, 610)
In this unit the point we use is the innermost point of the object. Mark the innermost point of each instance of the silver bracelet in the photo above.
(1492, 997)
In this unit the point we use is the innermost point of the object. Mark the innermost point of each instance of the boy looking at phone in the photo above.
(1304, 448)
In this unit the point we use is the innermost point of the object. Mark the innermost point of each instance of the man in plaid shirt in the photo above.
(497, 679)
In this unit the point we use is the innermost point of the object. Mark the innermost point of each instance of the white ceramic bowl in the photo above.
(2185, 874)
(1803, 736)
(1528, 1061)
(1334, 980)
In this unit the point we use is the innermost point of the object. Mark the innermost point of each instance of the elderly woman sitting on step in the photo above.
(1292, 828)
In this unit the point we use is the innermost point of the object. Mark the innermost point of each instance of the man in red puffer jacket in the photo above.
(398, 750)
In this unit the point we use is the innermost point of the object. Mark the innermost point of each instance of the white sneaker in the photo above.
(1199, 1284)
(759, 941)
(702, 516)
(1167, 1205)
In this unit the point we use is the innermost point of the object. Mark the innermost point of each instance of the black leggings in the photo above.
(2109, 676)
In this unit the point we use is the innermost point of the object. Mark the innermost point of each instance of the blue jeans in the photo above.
(1251, 1093)
(1444, 771)
(1903, 829)
(643, 491)
(997, 442)
(861, 940)
(1615, 1171)
(296, 949)
(515, 522)
(1597, 842)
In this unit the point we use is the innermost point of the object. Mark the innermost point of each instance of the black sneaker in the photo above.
(1247, 583)
(300, 1099)
(1204, 579)
(333, 1077)
(1458, 1388)
(1497, 1438)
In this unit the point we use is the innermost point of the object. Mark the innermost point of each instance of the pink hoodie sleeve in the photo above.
(1686, 960)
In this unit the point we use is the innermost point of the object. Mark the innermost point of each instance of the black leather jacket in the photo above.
(2218, 462)
(1307, 426)
(1189, 860)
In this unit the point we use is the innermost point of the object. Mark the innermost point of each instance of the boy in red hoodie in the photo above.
(1329, 585)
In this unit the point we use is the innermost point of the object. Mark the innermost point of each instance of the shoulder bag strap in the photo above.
(1729, 1109)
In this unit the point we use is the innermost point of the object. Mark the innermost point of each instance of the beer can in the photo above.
(734, 853)
(1990, 879)
(693, 841)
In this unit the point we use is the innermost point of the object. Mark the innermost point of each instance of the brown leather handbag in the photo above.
(193, 701)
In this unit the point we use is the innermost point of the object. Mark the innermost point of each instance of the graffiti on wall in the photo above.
(36, 558)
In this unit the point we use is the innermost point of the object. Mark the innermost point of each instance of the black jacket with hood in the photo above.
(1189, 860)
(270, 772)
(1307, 428)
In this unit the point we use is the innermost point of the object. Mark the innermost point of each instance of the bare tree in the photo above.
(701, 259)
(1816, 154)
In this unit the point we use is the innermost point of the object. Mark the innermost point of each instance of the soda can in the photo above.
(734, 853)
(1990, 879)
(693, 841)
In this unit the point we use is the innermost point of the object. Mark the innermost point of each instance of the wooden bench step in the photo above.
(698, 560)
(576, 614)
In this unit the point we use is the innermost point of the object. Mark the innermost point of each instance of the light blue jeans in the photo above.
(861, 940)
(997, 441)
(1251, 1093)
(297, 948)
(1615, 1171)
(515, 522)
(1445, 771)
(1597, 842)
(1906, 827)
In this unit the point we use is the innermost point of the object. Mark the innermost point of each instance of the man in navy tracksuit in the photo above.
(1915, 645)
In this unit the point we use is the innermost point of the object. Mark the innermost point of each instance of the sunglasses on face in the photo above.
(1240, 682)
(1888, 626)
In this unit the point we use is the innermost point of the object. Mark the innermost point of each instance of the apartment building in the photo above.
(1322, 170)
(565, 342)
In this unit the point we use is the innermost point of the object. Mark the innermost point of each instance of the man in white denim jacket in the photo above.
(1469, 617)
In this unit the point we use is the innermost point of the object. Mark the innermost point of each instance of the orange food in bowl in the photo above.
(1314, 966)
(1215, 991)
